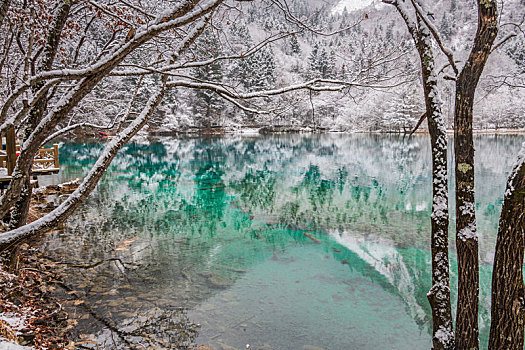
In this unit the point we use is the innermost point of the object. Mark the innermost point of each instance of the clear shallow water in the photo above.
(281, 242)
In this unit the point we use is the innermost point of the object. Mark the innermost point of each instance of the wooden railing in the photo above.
(46, 159)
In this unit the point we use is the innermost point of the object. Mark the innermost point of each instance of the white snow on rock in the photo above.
(5, 345)
(351, 5)
(386, 260)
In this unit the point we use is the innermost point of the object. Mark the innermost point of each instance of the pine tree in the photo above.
(258, 70)
(389, 34)
(516, 50)
(294, 45)
(331, 65)
(322, 64)
(208, 105)
(445, 27)
(453, 6)
(313, 62)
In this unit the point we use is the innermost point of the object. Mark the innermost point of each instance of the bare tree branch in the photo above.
(435, 34)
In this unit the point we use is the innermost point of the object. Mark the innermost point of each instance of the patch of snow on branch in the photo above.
(516, 168)
(444, 336)
(468, 232)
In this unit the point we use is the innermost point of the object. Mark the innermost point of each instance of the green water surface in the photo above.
(280, 242)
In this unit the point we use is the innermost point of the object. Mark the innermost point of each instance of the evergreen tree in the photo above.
(445, 27)
(258, 70)
(294, 45)
(453, 6)
(208, 105)
(331, 65)
(323, 64)
(389, 34)
(320, 63)
(313, 62)
(516, 50)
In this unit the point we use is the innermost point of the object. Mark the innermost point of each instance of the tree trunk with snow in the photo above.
(21, 207)
(467, 330)
(508, 291)
(439, 294)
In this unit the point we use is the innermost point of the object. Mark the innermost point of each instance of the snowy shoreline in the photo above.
(307, 130)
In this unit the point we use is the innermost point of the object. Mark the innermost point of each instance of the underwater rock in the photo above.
(214, 280)
(217, 281)
(311, 347)
(206, 274)
(226, 347)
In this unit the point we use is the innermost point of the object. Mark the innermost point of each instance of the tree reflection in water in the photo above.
(217, 226)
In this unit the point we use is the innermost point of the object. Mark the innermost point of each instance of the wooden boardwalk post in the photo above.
(10, 149)
(55, 152)
(46, 159)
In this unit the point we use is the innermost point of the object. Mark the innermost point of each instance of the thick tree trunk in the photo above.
(467, 330)
(21, 208)
(508, 292)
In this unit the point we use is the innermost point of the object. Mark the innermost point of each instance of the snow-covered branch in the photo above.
(76, 126)
(27, 107)
(141, 70)
(331, 85)
(283, 6)
(88, 184)
(435, 34)
(503, 41)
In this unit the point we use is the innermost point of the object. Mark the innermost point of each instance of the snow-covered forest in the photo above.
(369, 47)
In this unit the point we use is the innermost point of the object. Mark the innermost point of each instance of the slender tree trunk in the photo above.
(21, 207)
(4, 6)
(466, 236)
(508, 292)
(50, 50)
(439, 294)
(467, 330)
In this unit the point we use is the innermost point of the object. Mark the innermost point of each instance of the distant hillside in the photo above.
(376, 46)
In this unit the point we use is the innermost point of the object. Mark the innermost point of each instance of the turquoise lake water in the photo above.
(280, 242)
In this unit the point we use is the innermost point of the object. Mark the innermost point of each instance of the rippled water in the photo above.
(282, 242)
